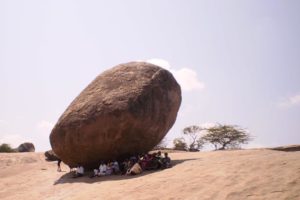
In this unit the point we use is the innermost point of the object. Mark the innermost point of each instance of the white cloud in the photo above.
(290, 101)
(13, 139)
(159, 62)
(188, 80)
(186, 77)
(45, 126)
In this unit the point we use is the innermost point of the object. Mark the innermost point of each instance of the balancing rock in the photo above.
(125, 111)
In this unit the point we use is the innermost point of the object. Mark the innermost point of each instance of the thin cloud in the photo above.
(290, 101)
(186, 77)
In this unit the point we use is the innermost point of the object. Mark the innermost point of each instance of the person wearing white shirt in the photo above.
(79, 171)
(102, 169)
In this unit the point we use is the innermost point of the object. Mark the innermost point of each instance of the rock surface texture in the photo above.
(125, 111)
(26, 147)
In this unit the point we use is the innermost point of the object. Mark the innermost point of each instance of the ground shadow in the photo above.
(68, 177)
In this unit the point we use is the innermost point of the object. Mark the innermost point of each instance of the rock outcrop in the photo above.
(51, 156)
(126, 110)
(287, 148)
(26, 147)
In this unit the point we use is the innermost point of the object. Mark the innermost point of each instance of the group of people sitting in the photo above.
(131, 166)
(107, 169)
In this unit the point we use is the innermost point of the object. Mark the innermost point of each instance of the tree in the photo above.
(226, 136)
(180, 144)
(194, 135)
(6, 148)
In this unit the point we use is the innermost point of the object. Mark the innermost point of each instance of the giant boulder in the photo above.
(125, 111)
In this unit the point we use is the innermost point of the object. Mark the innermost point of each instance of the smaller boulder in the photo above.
(26, 147)
(51, 156)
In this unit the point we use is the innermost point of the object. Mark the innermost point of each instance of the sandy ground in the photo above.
(242, 174)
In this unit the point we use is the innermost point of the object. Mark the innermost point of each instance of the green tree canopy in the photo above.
(225, 136)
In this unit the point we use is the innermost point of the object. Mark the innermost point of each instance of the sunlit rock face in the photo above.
(125, 111)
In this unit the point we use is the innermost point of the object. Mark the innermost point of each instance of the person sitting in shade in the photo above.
(109, 169)
(166, 161)
(145, 161)
(135, 169)
(102, 169)
(115, 167)
(159, 160)
(96, 172)
(79, 171)
(125, 165)
(133, 159)
(58, 165)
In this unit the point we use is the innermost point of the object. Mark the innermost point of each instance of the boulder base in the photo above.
(125, 111)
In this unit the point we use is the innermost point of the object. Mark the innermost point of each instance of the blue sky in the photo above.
(237, 61)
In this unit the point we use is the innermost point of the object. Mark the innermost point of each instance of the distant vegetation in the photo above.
(195, 141)
(180, 144)
(221, 136)
(6, 148)
(226, 136)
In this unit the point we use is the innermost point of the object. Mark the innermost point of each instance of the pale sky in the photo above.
(238, 62)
